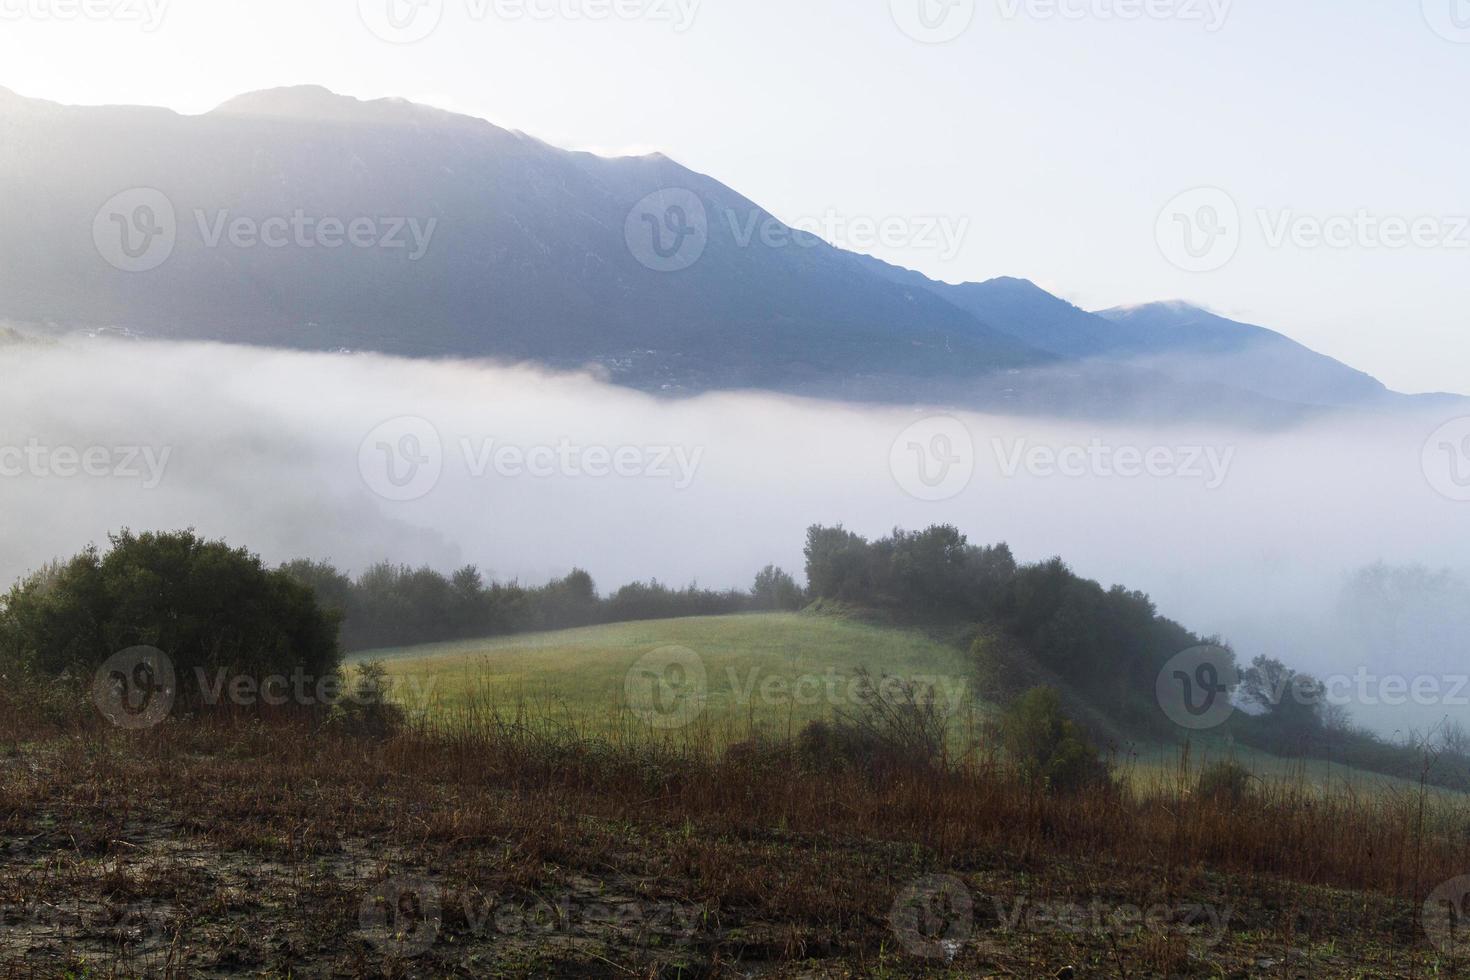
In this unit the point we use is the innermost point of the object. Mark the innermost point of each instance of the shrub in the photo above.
(369, 709)
(1047, 746)
(209, 607)
(32, 707)
(896, 724)
(1227, 782)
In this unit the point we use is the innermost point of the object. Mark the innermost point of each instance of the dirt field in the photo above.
(275, 850)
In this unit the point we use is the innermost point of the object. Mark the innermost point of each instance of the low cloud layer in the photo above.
(357, 458)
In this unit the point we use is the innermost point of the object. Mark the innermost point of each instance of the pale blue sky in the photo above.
(1059, 140)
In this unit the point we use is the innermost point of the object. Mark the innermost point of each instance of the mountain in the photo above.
(1020, 308)
(1184, 343)
(301, 218)
(528, 256)
(1191, 343)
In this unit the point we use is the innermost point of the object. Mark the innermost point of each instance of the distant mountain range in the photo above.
(270, 221)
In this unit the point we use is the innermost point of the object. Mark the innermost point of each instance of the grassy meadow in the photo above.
(766, 673)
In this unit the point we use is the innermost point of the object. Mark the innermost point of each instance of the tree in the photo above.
(774, 589)
(837, 564)
(1454, 739)
(928, 571)
(470, 610)
(206, 605)
(1293, 702)
(571, 601)
(933, 576)
(333, 589)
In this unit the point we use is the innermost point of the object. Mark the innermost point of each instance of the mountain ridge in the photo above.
(534, 257)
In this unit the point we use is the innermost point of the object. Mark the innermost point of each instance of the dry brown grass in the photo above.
(254, 845)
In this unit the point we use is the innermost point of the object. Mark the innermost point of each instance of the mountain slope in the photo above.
(1184, 343)
(1020, 308)
(529, 256)
(1194, 344)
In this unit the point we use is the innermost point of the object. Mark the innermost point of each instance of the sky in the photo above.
(1298, 165)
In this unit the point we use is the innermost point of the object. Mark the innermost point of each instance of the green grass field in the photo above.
(761, 672)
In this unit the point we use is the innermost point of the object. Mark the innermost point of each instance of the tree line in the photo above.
(1102, 648)
(391, 605)
(213, 606)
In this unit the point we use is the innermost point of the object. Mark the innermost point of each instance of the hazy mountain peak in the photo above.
(1013, 282)
(287, 99)
(12, 100)
(317, 104)
(1169, 307)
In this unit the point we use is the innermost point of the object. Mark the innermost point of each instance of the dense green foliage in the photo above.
(775, 591)
(927, 575)
(1107, 643)
(1100, 650)
(1049, 747)
(205, 604)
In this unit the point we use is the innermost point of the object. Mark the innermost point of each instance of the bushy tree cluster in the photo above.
(1041, 625)
(395, 605)
(1109, 643)
(219, 608)
(1292, 705)
(207, 605)
(929, 575)
(776, 591)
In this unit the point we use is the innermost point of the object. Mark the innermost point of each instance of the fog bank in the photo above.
(357, 458)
